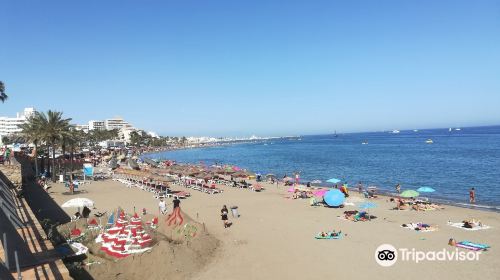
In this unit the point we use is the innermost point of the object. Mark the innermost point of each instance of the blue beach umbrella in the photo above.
(334, 198)
(426, 189)
(333, 181)
(367, 205)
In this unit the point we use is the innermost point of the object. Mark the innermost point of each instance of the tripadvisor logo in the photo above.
(387, 255)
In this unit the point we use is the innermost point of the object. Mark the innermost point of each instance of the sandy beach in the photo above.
(274, 237)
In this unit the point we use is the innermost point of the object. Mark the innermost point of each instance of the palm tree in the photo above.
(54, 127)
(72, 138)
(32, 132)
(3, 96)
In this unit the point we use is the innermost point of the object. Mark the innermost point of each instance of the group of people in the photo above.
(6, 155)
(332, 233)
(162, 205)
(472, 193)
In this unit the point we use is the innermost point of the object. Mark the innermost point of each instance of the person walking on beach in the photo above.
(297, 178)
(7, 156)
(223, 214)
(398, 188)
(176, 216)
(177, 202)
(162, 206)
(360, 187)
(472, 195)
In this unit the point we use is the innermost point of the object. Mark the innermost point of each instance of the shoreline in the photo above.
(382, 192)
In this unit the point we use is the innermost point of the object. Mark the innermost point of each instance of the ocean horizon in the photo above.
(457, 159)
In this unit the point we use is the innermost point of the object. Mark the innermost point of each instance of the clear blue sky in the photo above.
(255, 67)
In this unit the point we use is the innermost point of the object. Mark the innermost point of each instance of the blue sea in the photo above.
(456, 160)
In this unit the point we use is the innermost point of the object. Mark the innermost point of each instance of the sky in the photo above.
(269, 68)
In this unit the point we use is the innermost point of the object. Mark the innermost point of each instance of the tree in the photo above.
(3, 95)
(54, 127)
(72, 138)
(32, 133)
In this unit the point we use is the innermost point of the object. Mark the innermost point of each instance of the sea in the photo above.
(457, 160)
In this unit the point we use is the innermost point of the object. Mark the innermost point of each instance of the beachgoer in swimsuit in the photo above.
(223, 214)
(472, 196)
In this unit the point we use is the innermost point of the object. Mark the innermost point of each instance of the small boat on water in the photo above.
(429, 141)
(364, 143)
(458, 129)
(395, 131)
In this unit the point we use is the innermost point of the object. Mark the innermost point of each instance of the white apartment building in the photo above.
(125, 132)
(116, 123)
(10, 125)
(97, 125)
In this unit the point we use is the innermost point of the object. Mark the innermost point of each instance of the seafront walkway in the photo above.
(22, 233)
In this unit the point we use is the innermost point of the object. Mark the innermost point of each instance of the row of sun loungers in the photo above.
(159, 191)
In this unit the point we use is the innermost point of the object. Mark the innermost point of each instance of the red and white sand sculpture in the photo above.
(125, 238)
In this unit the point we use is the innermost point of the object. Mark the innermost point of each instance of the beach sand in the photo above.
(274, 237)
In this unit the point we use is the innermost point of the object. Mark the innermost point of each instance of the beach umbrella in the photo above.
(426, 189)
(334, 198)
(367, 205)
(333, 181)
(409, 193)
(316, 182)
(78, 202)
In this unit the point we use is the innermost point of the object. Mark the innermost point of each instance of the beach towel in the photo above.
(461, 226)
(468, 247)
(475, 245)
(339, 236)
(418, 227)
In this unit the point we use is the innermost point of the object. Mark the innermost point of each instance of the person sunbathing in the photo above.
(335, 234)
(401, 204)
(452, 242)
(472, 223)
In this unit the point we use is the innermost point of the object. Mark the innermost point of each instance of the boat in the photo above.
(364, 143)
(458, 129)
(429, 141)
(415, 130)
(449, 130)
(395, 131)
